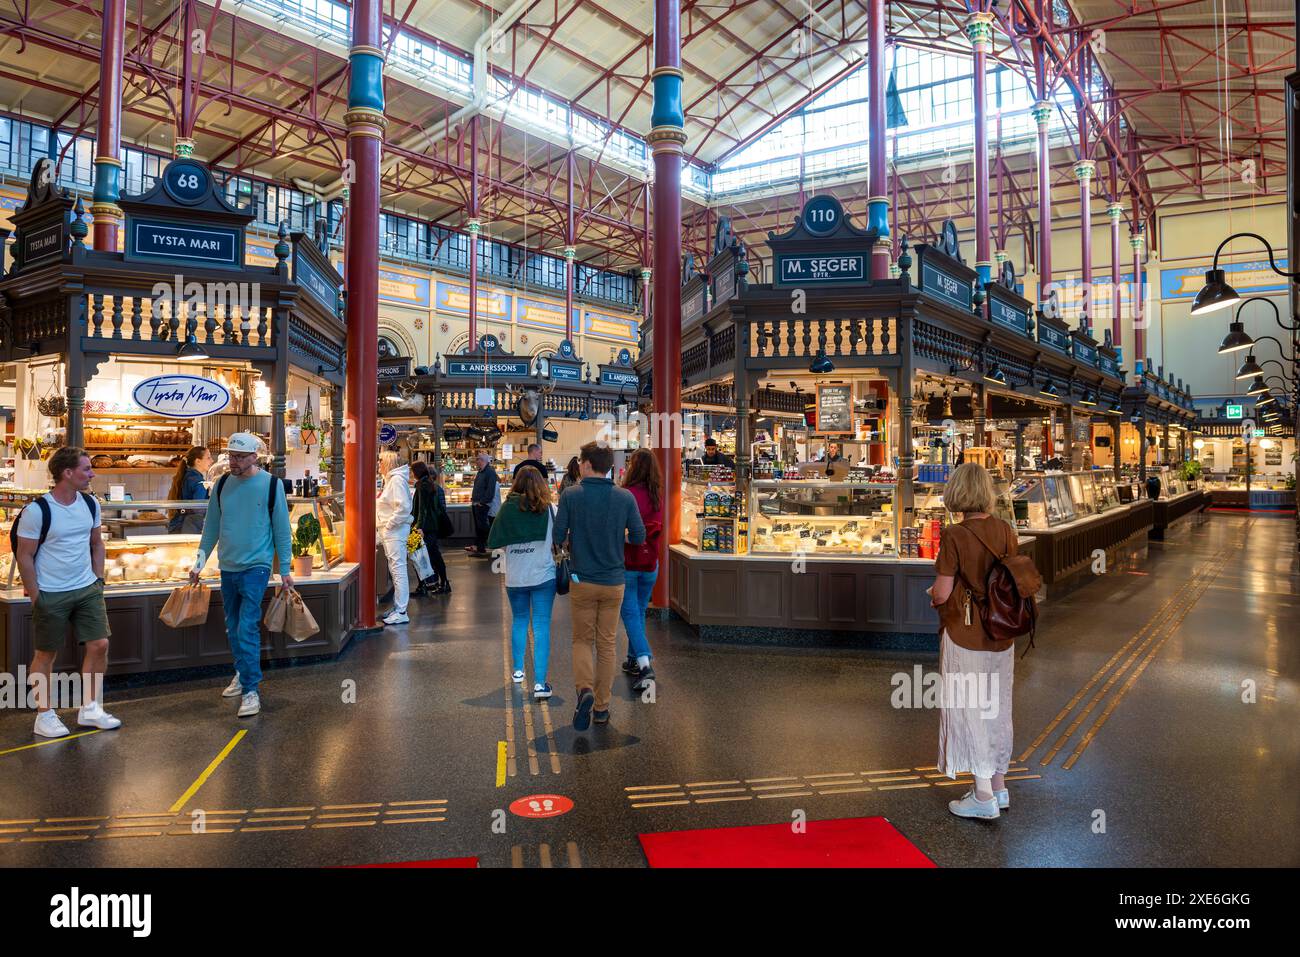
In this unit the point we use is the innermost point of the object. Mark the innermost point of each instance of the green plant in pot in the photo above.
(306, 538)
(1191, 470)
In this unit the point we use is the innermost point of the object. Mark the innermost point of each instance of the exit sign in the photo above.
(1233, 411)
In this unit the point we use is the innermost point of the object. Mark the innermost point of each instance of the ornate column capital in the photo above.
(1084, 170)
(979, 28)
(1115, 211)
(183, 147)
(1041, 112)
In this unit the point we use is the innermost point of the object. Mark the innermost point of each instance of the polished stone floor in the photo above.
(1155, 725)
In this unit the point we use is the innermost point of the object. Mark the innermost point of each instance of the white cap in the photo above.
(243, 442)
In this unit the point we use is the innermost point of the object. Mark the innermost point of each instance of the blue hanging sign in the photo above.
(186, 181)
(822, 215)
(624, 357)
(387, 434)
(938, 283)
(1085, 353)
(478, 367)
(488, 343)
(615, 377)
(566, 350)
(181, 396)
(42, 243)
(1049, 335)
(566, 372)
(821, 269)
(190, 244)
(1108, 364)
(1011, 317)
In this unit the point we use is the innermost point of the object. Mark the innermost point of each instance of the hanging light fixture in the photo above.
(995, 375)
(1249, 368)
(821, 364)
(1216, 294)
(1048, 389)
(1089, 397)
(1258, 387)
(1236, 339)
(190, 351)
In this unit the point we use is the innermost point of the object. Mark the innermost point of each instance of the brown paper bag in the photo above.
(298, 621)
(186, 607)
(275, 612)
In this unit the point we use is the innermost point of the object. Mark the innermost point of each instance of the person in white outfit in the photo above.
(393, 521)
(977, 672)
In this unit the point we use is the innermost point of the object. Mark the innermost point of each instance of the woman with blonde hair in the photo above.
(976, 670)
(393, 521)
(523, 530)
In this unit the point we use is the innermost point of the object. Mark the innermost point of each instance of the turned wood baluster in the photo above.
(137, 316)
(117, 316)
(839, 336)
(262, 338)
(96, 314)
(789, 337)
(807, 336)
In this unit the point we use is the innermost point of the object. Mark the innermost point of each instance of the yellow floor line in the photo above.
(709, 784)
(41, 744)
(208, 830)
(24, 820)
(575, 859)
(417, 810)
(742, 797)
(108, 834)
(66, 827)
(904, 777)
(654, 787)
(276, 820)
(276, 827)
(656, 795)
(347, 824)
(765, 780)
(413, 803)
(661, 803)
(68, 820)
(330, 817)
(501, 764)
(777, 787)
(792, 794)
(34, 840)
(903, 787)
(348, 807)
(207, 772)
(876, 774)
(283, 810)
(833, 774)
(132, 814)
(412, 820)
(843, 790)
(717, 791)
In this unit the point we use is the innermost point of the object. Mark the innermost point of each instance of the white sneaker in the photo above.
(541, 691)
(234, 689)
(94, 716)
(1004, 799)
(517, 677)
(48, 725)
(250, 705)
(396, 618)
(971, 806)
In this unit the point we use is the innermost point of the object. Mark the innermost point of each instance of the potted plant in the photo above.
(305, 538)
(1191, 470)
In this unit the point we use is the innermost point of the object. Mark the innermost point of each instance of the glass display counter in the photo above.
(1042, 500)
(835, 518)
(1107, 491)
(140, 549)
(709, 509)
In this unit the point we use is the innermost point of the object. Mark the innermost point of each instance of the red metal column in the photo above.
(667, 138)
(473, 226)
(1139, 306)
(1115, 211)
(877, 200)
(979, 27)
(365, 123)
(184, 145)
(108, 141)
(570, 237)
(1042, 113)
(1084, 170)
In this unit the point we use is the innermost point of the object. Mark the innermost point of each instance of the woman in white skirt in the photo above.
(976, 672)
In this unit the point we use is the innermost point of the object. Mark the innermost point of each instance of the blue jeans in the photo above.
(637, 587)
(536, 600)
(242, 594)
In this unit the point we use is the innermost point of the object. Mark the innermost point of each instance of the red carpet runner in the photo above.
(846, 842)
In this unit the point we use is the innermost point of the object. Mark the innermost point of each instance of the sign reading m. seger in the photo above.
(797, 270)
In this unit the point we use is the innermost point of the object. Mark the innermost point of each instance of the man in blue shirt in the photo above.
(598, 518)
(248, 520)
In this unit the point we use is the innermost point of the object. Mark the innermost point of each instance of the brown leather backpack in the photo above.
(1007, 608)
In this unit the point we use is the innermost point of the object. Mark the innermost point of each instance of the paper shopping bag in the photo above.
(298, 621)
(186, 607)
(275, 612)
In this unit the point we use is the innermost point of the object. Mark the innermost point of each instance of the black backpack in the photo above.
(270, 498)
(46, 520)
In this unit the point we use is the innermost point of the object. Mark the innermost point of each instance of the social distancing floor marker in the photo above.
(198, 822)
(42, 744)
(808, 785)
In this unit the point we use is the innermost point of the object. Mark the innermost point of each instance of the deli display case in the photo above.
(834, 518)
(1042, 500)
(710, 510)
(145, 561)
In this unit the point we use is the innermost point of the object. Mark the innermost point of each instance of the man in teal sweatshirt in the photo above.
(248, 518)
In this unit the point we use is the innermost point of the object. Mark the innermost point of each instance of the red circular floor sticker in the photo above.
(541, 805)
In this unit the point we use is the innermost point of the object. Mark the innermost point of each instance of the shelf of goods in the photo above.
(123, 442)
(149, 551)
(459, 486)
(823, 556)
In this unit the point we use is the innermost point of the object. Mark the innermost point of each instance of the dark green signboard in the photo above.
(938, 283)
(822, 270)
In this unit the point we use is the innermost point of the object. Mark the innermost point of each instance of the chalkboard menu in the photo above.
(835, 409)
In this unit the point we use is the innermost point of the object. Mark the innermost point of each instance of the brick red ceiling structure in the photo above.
(1191, 94)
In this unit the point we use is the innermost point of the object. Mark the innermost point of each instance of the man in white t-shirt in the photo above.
(61, 560)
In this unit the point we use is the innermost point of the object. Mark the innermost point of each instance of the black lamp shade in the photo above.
(1114, 409)
(1049, 390)
(1250, 368)
(996, 375)
(1236, 339)
(1089, 398)
(1216, 294)
(1265, 400)
(821, 364)
(1258, 387)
